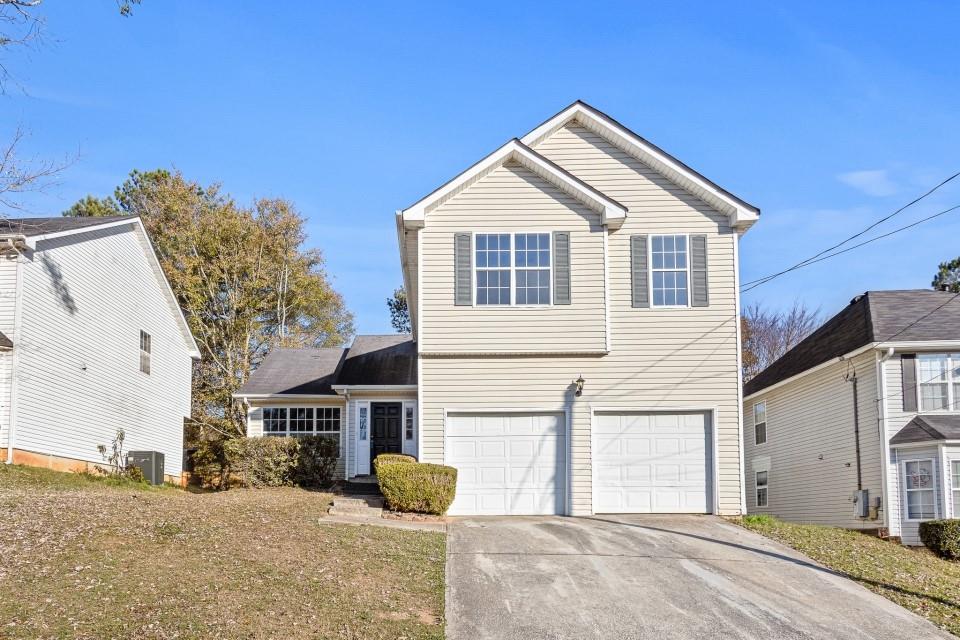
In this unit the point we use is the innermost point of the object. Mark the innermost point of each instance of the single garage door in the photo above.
(507, 463)
(653, 462)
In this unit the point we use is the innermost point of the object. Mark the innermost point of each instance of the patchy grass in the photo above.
(87, 557)
(914, 578)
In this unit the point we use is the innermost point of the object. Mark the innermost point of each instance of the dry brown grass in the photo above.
(80, 558)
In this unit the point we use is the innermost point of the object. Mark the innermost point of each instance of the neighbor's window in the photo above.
(275, 420)
(939, 381)
(762, 488)
(668, 268)
(144, 352)
(918, 476)
(302, 421)
(760, 423)
(493, 268)
(532, 254)
(408, 423)
(955, 485)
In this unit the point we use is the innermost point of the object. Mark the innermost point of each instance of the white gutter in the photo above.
(822, 365)
(342, 389)
(281, 396)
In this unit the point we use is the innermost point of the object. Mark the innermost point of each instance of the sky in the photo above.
(826, 115)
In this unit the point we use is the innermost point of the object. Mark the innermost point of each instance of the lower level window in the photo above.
(955, 485)
(408, 423)
(921, 499)
(762, 488)
(302, 421)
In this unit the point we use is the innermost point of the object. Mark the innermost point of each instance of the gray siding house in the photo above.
(858, 426)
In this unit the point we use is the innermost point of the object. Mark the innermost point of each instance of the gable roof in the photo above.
(929, 428)
(372, 360)
(742, 214)
(38, 229)
(874, 317)
(612, 213)
(295, 372)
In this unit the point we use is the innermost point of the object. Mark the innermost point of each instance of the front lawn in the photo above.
(914, 578)
(82, 557)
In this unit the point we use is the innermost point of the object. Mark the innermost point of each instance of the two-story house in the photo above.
(92, 341)
(574, 300)
(858, 426)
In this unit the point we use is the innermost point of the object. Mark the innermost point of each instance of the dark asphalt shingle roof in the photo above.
(5, 342)
(370, 360)
(42, 226)
(875, 316)
(929, 428)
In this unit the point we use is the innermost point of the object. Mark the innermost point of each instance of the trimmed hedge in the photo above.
(417, 487)
(269, 461)
(391, 458)
(942, 537)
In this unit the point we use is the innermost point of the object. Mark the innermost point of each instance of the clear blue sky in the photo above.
(826, 115)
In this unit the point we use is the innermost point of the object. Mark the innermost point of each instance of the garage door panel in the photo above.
(514, 464)
(653, 462)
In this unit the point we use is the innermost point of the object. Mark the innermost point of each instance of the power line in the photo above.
(756, 283)
(810, 260)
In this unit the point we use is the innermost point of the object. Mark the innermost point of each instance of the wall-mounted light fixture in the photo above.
(579, 385)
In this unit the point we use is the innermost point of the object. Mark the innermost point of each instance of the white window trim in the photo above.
(146, 352)
(650, 270)
(906, 491)
(766, 487)
(953, 404)
(766, 435)
(286, 433)
(953, 503)
(513, 269)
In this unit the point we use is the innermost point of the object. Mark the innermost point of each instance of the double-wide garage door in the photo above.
(516, 463)
(508, 464)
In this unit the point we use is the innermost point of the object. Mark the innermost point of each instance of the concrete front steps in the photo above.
(357, 506)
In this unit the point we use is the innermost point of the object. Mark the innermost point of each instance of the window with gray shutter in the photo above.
(561, 267)
(462, 294)
(699, 296)
(638, 272)
(909, 364)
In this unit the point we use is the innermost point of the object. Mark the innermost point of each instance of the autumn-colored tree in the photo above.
(241, 274)
(766, 335)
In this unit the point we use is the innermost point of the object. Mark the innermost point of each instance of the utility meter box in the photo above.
(861, 503)
(149, 462)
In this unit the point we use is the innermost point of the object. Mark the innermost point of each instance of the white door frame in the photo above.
(714, 449)
(567, 498)
(367, 402)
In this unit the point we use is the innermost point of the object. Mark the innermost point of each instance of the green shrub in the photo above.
(418, 487)
(316, 461)
(942, 537)
(208, 464)
(391, 458)
(262, 462)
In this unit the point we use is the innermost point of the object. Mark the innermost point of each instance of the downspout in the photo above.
(856, 428)
(882, 427)
(15, 359)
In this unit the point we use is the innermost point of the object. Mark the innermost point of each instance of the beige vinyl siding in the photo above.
(8, 293)
(811, 446)
(255, 419)
(659, 359)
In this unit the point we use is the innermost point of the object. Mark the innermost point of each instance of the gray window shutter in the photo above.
(909, 363)
(463, 274)
(699, 296)
(638, 272)
(561, 267)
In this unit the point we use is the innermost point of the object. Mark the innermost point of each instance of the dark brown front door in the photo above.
(387, 432)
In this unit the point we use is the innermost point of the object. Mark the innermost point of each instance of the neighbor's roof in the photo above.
(929, 428)
(44, 226)
(5, 342)
(380, 360)
(874, 317)
(377, 360)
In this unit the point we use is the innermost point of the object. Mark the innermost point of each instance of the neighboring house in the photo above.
(93, 342)
(574, 299)
(858, 426)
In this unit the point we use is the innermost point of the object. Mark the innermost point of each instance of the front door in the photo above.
(387, 432)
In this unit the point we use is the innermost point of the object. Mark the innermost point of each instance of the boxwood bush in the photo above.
(942, 537)
(391, 458)
(269, 461)
(417, 487)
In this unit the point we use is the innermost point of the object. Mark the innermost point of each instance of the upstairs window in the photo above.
(144, 352)
(760, 423)
(938, 376)
(512, 269)
(668, 269)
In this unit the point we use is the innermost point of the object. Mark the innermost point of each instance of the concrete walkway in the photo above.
(652, 577)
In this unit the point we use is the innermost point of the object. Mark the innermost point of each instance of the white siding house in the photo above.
(98, 344)
(886, 464)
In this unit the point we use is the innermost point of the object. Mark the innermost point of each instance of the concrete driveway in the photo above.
(660, 577)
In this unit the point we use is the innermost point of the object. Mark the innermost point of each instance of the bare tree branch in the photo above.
(767, 335)
(19, 175)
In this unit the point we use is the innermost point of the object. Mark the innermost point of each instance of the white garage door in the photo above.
(507, 464)
(652, 463)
